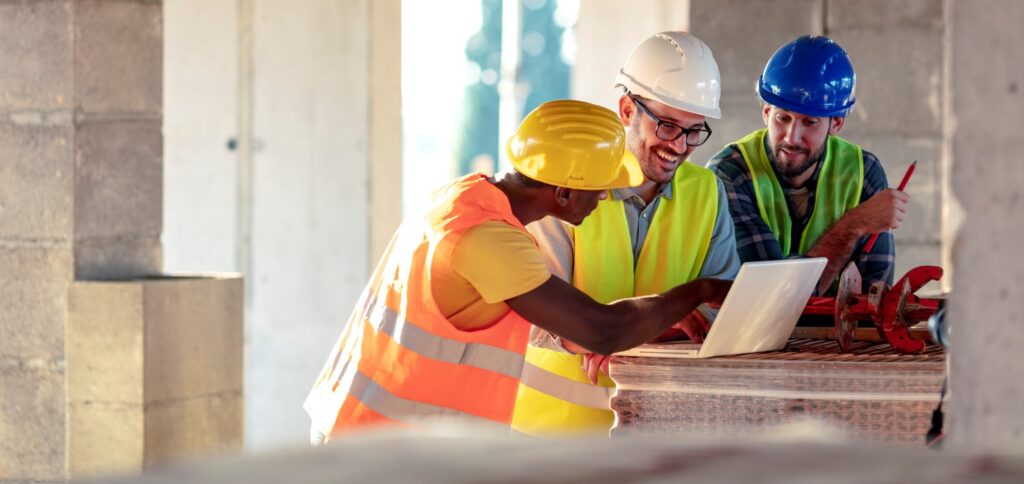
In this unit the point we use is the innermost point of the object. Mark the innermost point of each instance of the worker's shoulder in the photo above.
(728, 163)
(494, 233)
(871, 162)
(872, 165)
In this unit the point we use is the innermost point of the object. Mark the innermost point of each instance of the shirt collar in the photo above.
(664, 190)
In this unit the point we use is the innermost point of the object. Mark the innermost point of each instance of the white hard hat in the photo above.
(677, 69)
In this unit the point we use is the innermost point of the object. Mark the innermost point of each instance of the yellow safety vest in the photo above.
(838, 191)
(555, 396)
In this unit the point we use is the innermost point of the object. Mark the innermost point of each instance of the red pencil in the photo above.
(903, 184)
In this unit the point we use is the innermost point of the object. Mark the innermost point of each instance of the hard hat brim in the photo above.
(629, 175)
(635, 87)
(769, 97)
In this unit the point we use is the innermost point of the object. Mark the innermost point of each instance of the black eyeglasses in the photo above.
(670, 131)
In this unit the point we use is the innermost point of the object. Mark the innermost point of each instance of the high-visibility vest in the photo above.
(398, 359)
(555, 395)
(839, 187)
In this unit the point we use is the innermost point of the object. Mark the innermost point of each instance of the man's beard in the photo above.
(651, 165)
(793, 171)
(649, 162)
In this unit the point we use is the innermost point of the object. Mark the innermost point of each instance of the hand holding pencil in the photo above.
(903, 184)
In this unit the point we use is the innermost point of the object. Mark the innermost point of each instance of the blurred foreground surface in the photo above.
(804, 452)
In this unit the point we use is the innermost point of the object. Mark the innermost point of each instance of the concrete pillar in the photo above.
(984, 115)
(80, 176)
(80, 199)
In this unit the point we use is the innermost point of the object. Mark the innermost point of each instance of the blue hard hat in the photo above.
(811, 75)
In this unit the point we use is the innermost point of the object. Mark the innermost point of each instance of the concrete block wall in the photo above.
(896, 48)
(194, 367)
(105, 348)
(36, 233)
(151, 379)
(117, 64)
(81, 199)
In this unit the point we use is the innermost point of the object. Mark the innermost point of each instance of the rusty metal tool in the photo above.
(893, 310)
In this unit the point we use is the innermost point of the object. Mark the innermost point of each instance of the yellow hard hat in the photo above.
(574, 144)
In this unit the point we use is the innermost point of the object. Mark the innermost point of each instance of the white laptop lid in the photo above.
(758, 314)
(763, 306)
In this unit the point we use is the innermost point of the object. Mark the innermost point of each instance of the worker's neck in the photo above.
(525, 205)
(647, 190)
(800, 180)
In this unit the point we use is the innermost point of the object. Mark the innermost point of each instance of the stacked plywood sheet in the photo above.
(872, 393)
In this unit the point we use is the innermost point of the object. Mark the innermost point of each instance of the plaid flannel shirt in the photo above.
(755, 241)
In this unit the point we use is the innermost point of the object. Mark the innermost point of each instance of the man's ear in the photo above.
(562, 196)
(837, 124)
(766, 110)
(627, 109)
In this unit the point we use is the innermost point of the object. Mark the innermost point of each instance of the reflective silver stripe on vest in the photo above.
(593, 396)
(420, 341)
(380, 400)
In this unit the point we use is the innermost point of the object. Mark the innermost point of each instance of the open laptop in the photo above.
(758, 314)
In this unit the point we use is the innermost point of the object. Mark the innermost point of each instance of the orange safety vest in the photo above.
(399, 360)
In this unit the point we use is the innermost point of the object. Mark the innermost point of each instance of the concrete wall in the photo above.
(201, 229)
(606, 32)
(154, 372)
(743, 34)
(306, 213)
(984, 118)
(310, 224)
(80, 181)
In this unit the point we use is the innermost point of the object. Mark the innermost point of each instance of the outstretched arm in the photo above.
(558, 307)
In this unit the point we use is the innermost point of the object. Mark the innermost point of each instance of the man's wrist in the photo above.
(705, 290)
(851, 223)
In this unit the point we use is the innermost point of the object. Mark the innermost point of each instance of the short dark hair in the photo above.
(527, 182)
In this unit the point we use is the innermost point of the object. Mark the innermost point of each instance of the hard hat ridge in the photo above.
(574, 144)
(677, 69)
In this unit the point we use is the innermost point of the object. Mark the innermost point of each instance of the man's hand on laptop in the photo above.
(694, 326)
